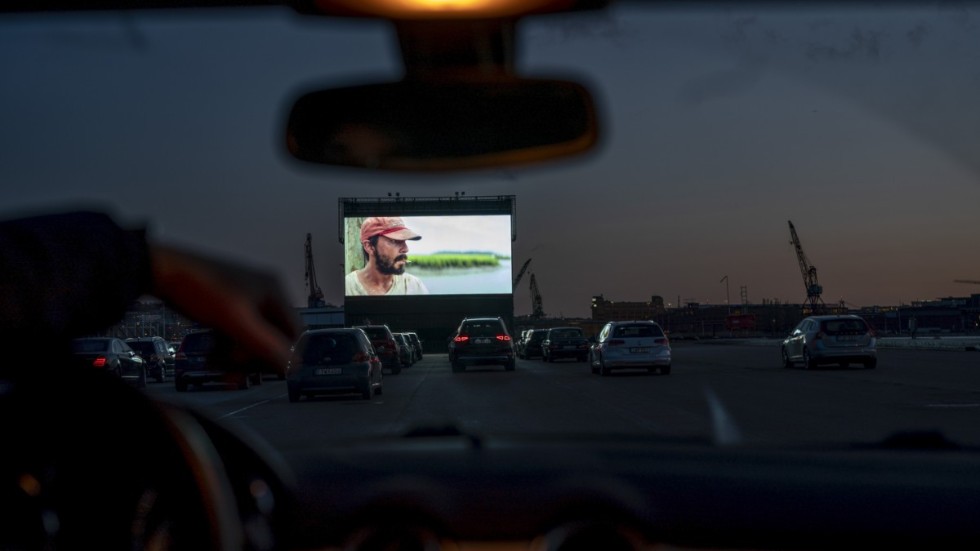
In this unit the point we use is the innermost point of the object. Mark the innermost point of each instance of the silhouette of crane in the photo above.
(537, 307)
(814, 303)
(315, 297)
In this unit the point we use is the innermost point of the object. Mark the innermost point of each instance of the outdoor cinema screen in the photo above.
(434, 255)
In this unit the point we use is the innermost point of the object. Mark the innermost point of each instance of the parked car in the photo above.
(416, 344)
(630, 345)
(406, 352)
(385, 346)
(111, 354)
(202, 358)
(564, 342)
(532, 344)
(482, 341)
(156, 353)
(831, 339)
(339, 360)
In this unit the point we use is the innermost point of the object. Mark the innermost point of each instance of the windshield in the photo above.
(716, 127)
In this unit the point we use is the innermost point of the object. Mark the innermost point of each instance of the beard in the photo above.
(387, 265)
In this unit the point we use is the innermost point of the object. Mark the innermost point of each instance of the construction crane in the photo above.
(814, 304)
(520, 274)
(537, 308)
(315, 297)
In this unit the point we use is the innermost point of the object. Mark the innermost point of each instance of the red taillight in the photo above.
(660, 341)
(461, 338)
(99, 362)
(180, 356)
(615, 342)
(360, 357)
(504, 338)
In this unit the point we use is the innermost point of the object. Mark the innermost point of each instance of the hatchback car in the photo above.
(112, 355)
(201, 359)
(564, 342)
(338, 360)
(532, 344)
(413, 338)
(630, 345)
(406, 352)
(383, 341)
(831, 339)
(482, 341)
(156, 353)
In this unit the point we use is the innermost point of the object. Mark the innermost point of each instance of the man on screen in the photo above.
(384, 244)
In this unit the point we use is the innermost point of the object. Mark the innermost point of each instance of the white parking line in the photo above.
(237, 411)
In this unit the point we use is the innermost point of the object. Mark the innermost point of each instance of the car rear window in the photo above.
(845, 327)
(482, 329)
(142, 347)
(197, 343)
(632, 331)
(566, 334)
(328, 348)
(376, 333)
(89, 345)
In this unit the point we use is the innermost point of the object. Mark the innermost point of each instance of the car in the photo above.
(385, 346)
(482, 341)
(831, 339)
(711, 124)
(156, 353)
(639, 344)
(333, 361)
(532, 344)
(112, 355)
(406, 352)
(564, 342)
(203, 359)
(416, 344)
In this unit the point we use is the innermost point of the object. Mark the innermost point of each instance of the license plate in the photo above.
(481, 341)
(328, 371)
(639, 350)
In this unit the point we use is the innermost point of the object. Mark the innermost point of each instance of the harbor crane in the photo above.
(537, 308)
(520, 273)
(814, 303)
(315, 296)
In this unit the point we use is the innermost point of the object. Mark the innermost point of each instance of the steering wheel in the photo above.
(91, 462)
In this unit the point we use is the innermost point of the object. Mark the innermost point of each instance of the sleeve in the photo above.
(68, 274)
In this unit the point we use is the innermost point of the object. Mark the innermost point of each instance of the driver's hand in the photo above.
(245, 304)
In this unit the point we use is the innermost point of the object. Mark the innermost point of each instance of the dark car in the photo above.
(385, 346)
(532, 344)
(202, 358)
(339, 360)
(416, 344)
(406, 352)
(564, 342)
(156, 353)
(111, 354)
(482, 341)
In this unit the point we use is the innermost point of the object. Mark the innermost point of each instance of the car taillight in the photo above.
(360, 357)
(504, 338)
(99, 362)
(461, 338)
(819, 335)
(180, 356)
(660, 341)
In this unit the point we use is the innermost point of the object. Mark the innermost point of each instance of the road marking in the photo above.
(250, 407)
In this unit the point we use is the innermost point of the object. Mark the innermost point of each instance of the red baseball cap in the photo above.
(392, 227)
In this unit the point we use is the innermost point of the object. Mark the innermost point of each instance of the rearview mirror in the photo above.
(443, 125)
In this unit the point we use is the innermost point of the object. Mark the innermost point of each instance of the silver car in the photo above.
(630, 345)
(833, 339)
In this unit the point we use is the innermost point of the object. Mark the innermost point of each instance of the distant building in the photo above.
(606, 310)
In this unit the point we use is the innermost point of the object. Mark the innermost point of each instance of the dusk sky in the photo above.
(717, 128)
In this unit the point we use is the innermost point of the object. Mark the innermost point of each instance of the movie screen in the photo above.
(427, 255)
